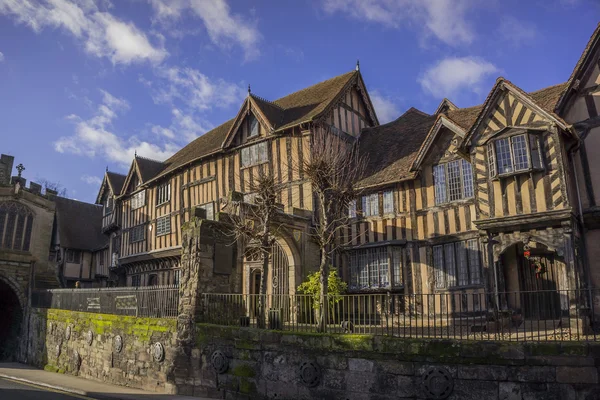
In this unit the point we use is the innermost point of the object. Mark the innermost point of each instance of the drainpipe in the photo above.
(586, 266)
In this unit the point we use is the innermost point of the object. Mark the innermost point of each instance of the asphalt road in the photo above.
(13, 390)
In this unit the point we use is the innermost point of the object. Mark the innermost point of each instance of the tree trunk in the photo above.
(262, 298)
(323, 268)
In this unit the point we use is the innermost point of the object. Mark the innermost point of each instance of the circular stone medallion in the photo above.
(118, 344)
(437, 383)
(219, 362)
(89, 337)
(158, 352)
(68, 333)
(76, 360)
(57, 350)
(310, 374)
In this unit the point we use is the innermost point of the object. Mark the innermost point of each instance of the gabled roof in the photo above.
(441, 121)
(580, 67)
(79, 225)
(113, 181)
(272, 112)
(395, 148)
(391, 148)
(445, 106)
(299, 107)
(148, 168)
(544, 101)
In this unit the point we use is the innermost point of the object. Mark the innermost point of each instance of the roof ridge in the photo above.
(77, 201)
(267, 101)
(318, 83)
(545, 88)
(149, 159)
(116, 173)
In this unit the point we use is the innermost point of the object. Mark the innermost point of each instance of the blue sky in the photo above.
(84, 83)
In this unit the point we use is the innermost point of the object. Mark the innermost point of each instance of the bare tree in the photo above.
(333, 168)
(56, 186)
(254, 225)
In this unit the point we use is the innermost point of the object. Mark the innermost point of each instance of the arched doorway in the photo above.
(10, 321)
(535, 280)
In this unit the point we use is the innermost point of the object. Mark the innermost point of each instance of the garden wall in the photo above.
(244, 363)
(122, 350)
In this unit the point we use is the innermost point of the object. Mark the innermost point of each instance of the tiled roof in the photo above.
(116, 181)
(391, 148)
(272, 111)
(301, 106)
(149, 168)
(79, 224)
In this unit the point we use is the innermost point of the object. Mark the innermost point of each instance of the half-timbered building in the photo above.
(496, 198)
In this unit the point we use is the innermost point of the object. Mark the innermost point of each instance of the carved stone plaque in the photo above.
(437, 383)
(158, 352)
(310, 374)
(68, 333)
(118, 344)
(89, 337)
(219, 362)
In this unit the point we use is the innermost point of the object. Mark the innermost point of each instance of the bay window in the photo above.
(457, 264)
(514, 154)
(453, 181)
(376, 268)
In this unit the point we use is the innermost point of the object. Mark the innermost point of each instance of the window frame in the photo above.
(534, 162)
(138, 200)
(141, 228)
(73, 256)
(376, 268)
(444, 189)
(163, 192)
(252, 118)
(252, 155)
(466, 274)
(163, 225)
(212, 206)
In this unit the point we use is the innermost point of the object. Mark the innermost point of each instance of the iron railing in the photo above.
(149, 301)
(552, 315)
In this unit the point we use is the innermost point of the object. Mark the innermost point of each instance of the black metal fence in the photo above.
(551, 315)
(149, 301)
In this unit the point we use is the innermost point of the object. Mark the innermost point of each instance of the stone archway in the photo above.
(12, 304)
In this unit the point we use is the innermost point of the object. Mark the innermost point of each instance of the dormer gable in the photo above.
(508, 106)
(256, 118)
(133, 180)
(442, 124)
(445, 106)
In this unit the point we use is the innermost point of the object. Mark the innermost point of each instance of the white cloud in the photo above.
(452, 75)
(444, 19)
(102, 34)
(195, 89)
(224, 28)
(95, 137)
(517, 32)
(385, 107)
(1, 56)
(184, 127)
(91, 180)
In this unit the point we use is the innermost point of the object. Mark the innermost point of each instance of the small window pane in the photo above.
(438, 266)
(439, 180)
(397, 266)
(388, 202)
(450, 264)
(503, 154)
(454, 187)
(474, 266)
(253, 126)
(352, 209)
(461, 263)
(534, 146)
(491, 160)
(467, 172)
(519, 147)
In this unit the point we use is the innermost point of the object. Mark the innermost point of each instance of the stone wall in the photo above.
(87, 345)
(278, 365)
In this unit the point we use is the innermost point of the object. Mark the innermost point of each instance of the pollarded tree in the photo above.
(254, 225)
(333, 168)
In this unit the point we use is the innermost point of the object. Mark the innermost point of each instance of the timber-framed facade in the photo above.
(465, 200)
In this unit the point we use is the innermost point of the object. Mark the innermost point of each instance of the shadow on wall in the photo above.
(10, 322)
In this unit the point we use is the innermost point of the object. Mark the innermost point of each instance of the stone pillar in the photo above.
(205, 268)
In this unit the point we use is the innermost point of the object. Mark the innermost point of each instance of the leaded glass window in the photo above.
(16, 223)
(388, 202)
(370, 268)
(514, 154)
(453, 181)
(163, 225)
(457, 264)
(519, 147)
(505, 164)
